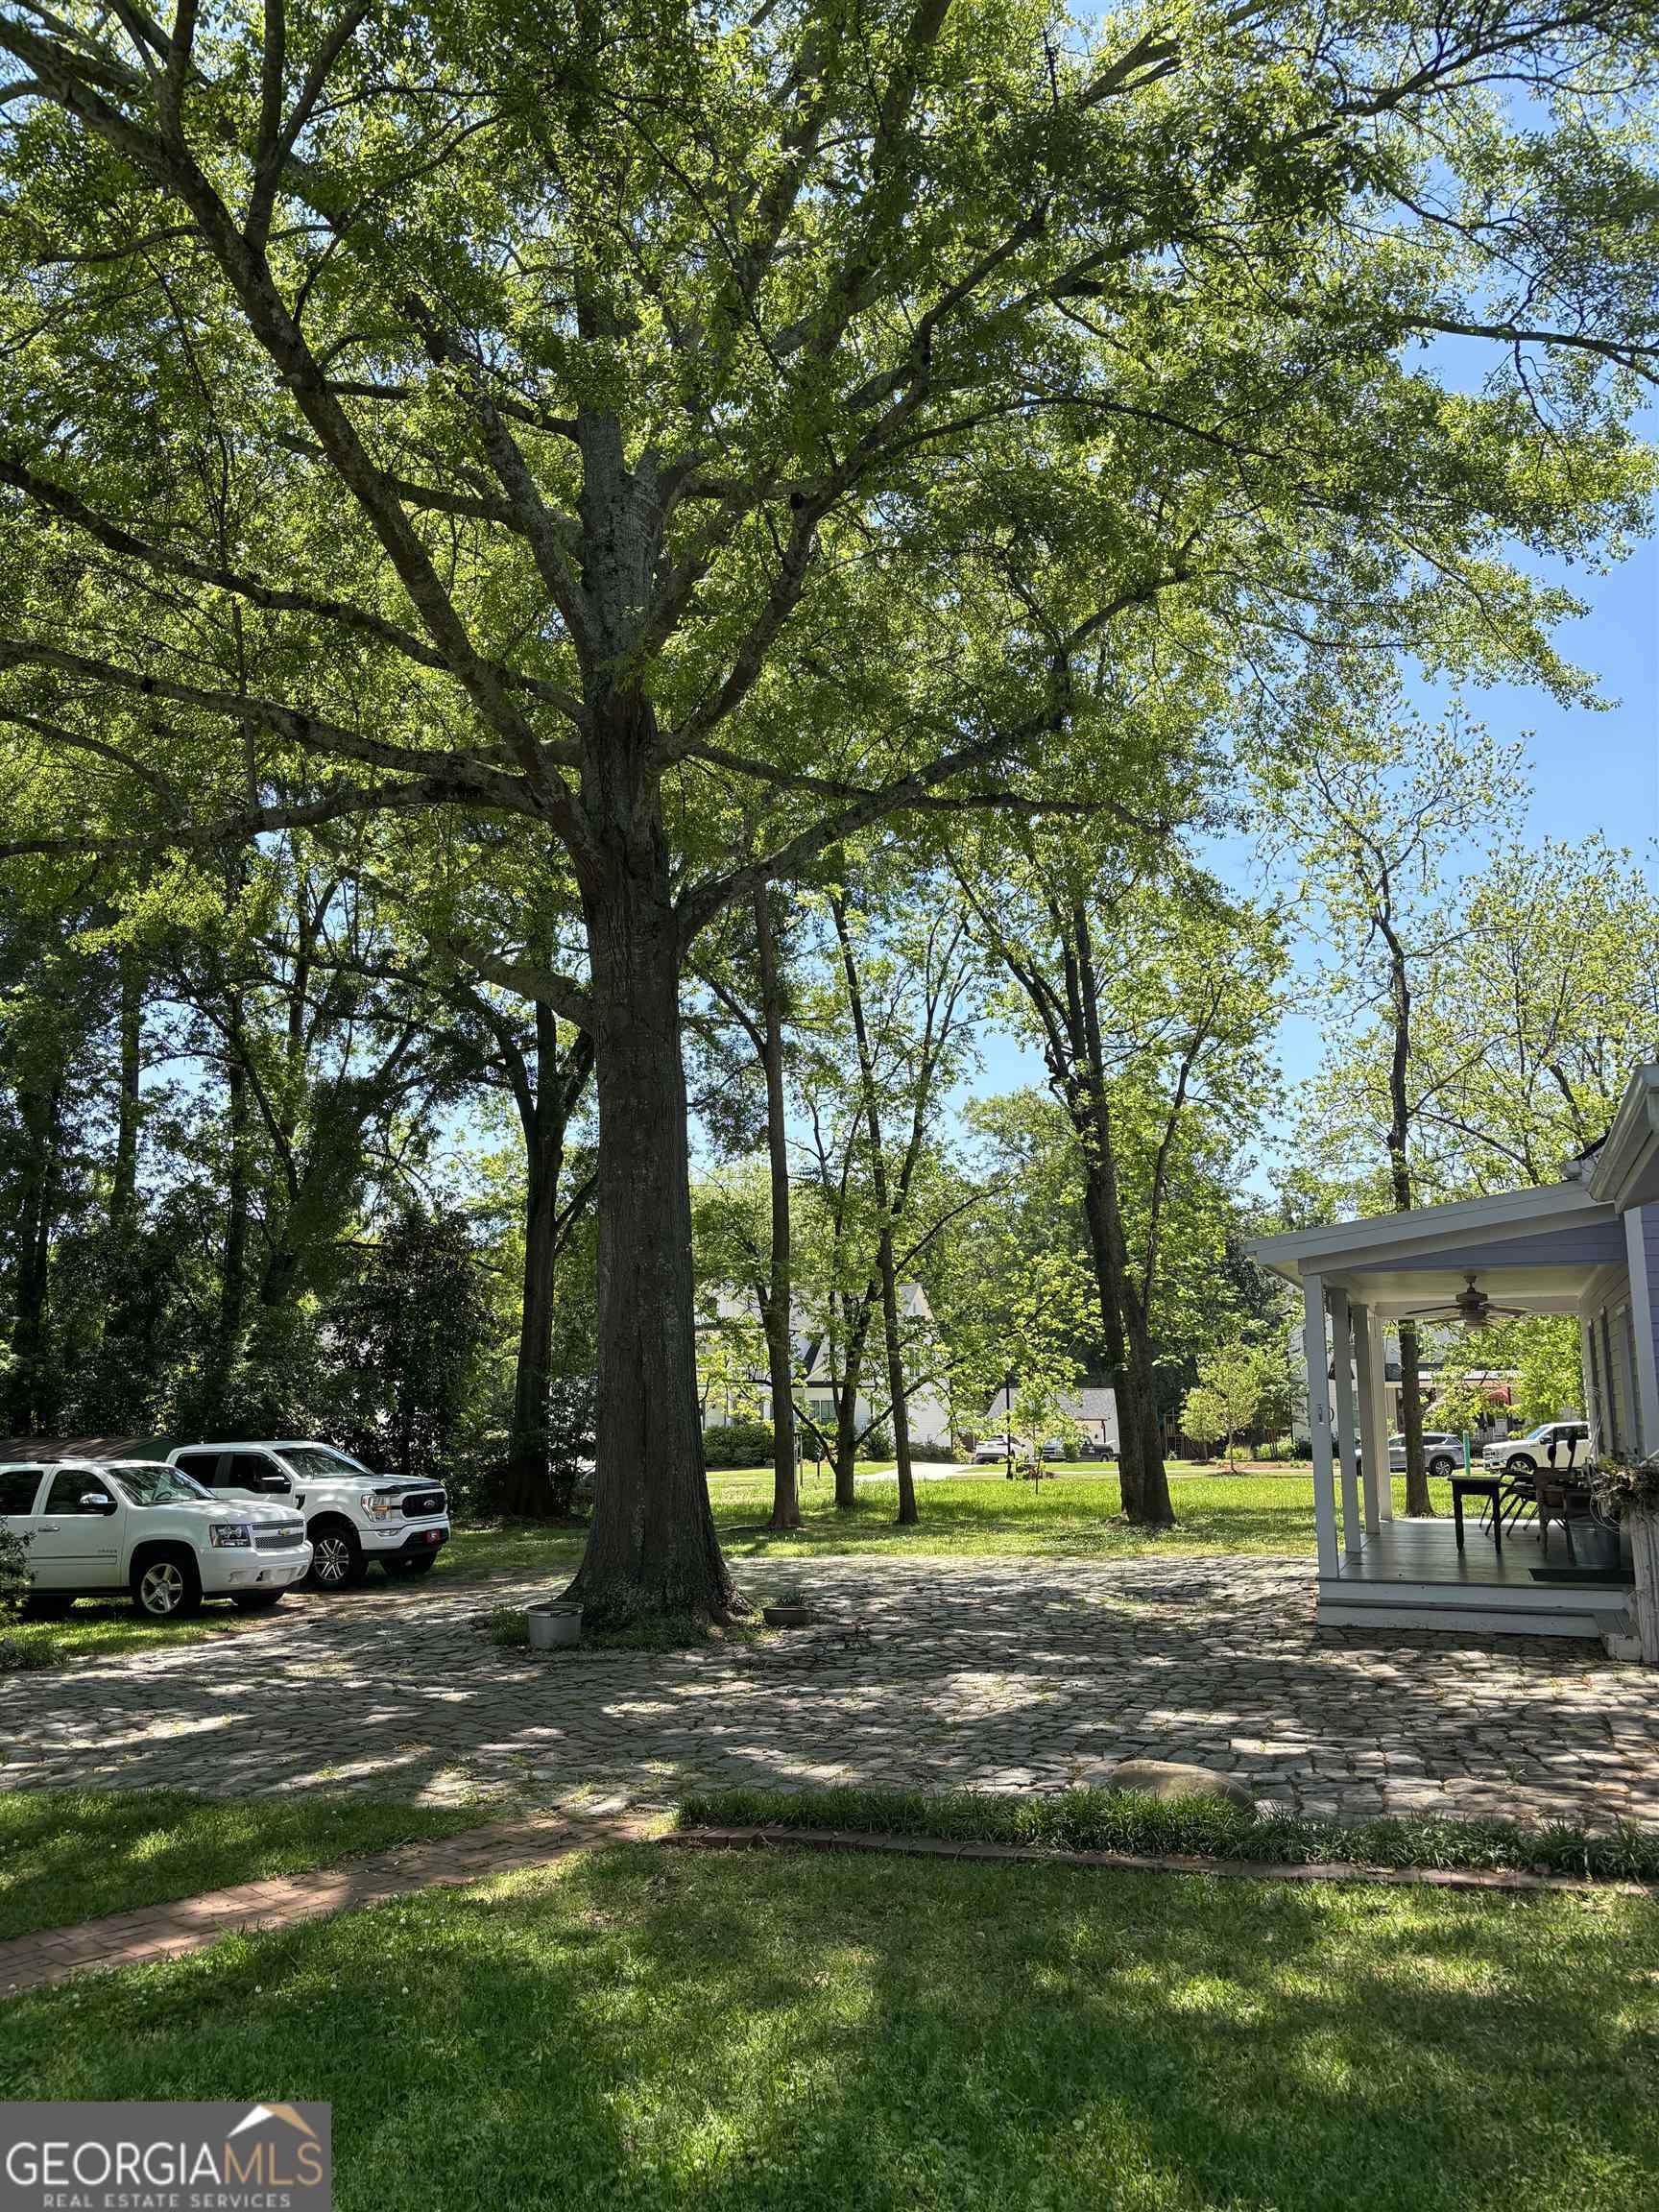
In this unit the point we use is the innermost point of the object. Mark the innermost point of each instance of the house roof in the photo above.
(1094, 1402)
(1625, 1171)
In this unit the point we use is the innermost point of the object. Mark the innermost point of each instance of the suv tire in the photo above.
(165, 1584)
(337, 1560)
(1440, 1464)
(1518, 1463)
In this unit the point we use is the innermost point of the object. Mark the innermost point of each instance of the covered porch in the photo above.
(1587, 1248)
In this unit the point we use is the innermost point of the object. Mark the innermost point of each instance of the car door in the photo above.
(250, 1475)
(74, 1539)
(20, 1489)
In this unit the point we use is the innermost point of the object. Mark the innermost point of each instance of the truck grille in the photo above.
(288, 1538)
(423, 1505)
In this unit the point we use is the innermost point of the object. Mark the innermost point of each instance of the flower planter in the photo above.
(555, 1626)
(786, 1616)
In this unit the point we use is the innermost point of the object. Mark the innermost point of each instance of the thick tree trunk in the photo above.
(651, 1548)
(781, 1280)
(27, 1399)
(1145, 1485)
(234, 1262)
(1418, 1501)
(526, 1490)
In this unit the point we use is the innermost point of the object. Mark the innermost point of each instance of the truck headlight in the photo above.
(372, 1501)
(233, 1532)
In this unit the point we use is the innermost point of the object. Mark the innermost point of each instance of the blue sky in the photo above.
(1590, 771)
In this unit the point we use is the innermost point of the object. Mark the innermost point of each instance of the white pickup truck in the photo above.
(353, 1517)
(95, 1526)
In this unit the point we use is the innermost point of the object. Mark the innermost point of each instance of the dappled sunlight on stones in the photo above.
(943, 1674)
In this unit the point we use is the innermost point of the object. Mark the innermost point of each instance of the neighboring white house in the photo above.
(743, 1391)
(1092, 1407)
(1587, 1246)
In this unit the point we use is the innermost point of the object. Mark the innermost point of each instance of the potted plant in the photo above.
(1630, 1489)
(787, 1610)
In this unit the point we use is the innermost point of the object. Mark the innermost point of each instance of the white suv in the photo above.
(94, 1526)
(1531, 1454)
(351, 1516)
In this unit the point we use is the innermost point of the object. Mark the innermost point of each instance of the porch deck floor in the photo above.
(1421, 1552)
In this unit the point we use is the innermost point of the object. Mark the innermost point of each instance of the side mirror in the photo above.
(96, 1502)
(278, 1484)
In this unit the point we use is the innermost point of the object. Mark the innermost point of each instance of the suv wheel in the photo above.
(337, 1561)
(165, 1586)
(1518, 1463)
(1440, 1464)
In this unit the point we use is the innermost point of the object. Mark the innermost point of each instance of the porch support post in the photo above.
(1379, 1416)
(1319, 1424)
(1342, 1350)
(1644, 1294)
(1373, 1447)
(1590, 1362)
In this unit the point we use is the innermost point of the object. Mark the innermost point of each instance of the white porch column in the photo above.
(1373, 1442)
(1590, 1361)
(1319, 1423)
(1380, 1384)
(1342, 1355)
(1642, 1317)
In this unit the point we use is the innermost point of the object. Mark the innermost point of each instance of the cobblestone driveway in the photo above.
(1026, 1674)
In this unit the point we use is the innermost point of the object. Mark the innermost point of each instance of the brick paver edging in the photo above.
(191, 1923)
(1488, 1878)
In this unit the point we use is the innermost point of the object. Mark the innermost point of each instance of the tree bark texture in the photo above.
(779, 1314)
(652, 1547)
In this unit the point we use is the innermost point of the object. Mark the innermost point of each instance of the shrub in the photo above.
(13, 1572)
(932, 1454)
(737, 1444)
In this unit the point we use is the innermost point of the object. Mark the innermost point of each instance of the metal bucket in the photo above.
(1596, 1543)
(554, 1624)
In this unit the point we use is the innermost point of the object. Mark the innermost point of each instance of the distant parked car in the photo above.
(1442, 1454)
(993, 1451)
(352, 1516)
(1532, 1453)
(93, 1527)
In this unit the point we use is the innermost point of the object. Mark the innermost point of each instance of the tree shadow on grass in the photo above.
(744, 2033)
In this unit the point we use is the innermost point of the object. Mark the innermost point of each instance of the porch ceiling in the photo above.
(1393, 1293)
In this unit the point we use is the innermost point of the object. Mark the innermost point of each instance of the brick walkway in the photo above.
(192, 1923)
(994, 1674)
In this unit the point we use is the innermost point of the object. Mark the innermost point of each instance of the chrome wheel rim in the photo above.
(333, 1560)
(162, 1590)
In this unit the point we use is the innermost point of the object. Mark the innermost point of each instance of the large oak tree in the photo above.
(524, 405)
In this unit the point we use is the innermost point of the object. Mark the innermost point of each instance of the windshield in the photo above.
(147, 1483)
(318, 1461)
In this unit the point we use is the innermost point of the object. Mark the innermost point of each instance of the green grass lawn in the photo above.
(748, 2032)
(1073, 1516)
(72, 1855)
(96, 1629)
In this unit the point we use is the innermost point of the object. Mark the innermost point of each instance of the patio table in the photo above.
(1489, 1486)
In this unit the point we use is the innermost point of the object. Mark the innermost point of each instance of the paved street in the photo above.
(1024, 1673)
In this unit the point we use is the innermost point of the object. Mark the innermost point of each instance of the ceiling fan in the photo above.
(1473, 1309)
